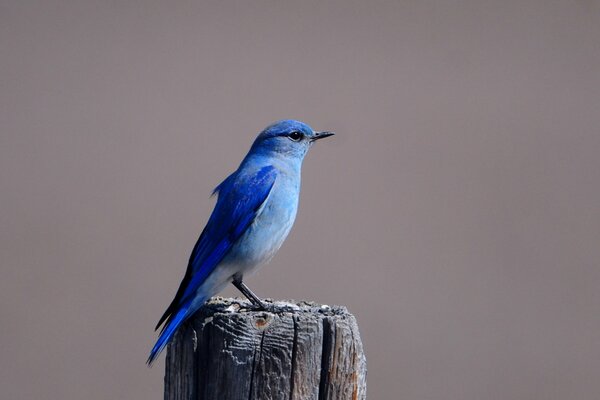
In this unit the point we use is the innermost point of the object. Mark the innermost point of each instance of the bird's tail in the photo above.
(168, 331)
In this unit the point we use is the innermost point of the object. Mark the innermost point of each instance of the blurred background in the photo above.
(456, 213)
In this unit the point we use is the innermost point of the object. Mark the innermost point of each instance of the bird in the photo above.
(255, 209)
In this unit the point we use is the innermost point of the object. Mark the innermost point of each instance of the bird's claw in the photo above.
(271, 308)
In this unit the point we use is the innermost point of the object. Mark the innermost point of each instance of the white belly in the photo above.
(265, 236)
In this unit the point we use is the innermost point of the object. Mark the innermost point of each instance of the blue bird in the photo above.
(255, 210)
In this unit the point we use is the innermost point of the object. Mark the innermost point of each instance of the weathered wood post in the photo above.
(297, 351)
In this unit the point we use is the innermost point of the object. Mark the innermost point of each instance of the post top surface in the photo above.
(222, 305)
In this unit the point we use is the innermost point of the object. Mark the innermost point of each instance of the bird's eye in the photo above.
(296, 136)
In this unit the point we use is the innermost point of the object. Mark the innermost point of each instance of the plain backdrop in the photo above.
(456, 212)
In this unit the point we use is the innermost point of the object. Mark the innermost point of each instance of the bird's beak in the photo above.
(321, 135)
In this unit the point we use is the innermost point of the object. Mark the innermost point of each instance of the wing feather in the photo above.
(239, 202)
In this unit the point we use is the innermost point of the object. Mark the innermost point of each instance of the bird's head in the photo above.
(287, 138)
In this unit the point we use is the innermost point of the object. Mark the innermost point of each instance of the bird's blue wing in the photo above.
(240, 199)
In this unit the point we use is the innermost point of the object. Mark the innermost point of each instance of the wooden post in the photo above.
(298, 351)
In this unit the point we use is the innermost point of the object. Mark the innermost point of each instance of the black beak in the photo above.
(321, 135)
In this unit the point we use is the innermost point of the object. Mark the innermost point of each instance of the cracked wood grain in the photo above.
(295, 351)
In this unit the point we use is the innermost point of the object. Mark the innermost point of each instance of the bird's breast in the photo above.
(270, 228)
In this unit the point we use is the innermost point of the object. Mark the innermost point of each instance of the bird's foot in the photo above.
(273, 308)
(260, 306)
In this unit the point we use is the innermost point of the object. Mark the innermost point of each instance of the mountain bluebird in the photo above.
(255, 211)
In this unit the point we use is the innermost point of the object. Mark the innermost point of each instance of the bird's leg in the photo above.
(254, 299)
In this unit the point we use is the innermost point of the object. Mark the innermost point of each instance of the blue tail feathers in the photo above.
(168, 332)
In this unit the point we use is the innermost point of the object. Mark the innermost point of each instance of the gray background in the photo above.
(456, 213)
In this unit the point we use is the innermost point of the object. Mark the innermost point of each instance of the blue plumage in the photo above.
(255, 210)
